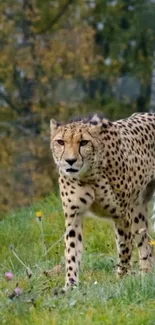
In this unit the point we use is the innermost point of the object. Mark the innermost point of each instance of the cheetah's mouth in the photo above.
(71, 170)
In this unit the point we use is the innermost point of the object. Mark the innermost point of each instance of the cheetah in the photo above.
(106, 169)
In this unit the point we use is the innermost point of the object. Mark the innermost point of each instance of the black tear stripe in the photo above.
(91, 141)
(80, 153)
(62, 152)
(92, 138)
(64, 147)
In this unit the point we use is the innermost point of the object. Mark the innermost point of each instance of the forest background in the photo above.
(63, 59)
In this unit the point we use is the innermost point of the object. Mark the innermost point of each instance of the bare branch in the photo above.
(58, 16)
(16, 126)
(9, 101)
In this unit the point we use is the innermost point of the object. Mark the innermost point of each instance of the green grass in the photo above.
(100, 298)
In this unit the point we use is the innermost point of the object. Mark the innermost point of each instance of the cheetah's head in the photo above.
(74, 145)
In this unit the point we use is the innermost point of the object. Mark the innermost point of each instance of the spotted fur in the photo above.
(108, 169)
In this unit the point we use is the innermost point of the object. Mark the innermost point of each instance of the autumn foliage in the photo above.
(62, 59)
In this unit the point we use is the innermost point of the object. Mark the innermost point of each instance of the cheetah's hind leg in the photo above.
(153, 213)
(124, 245)
(140, 234)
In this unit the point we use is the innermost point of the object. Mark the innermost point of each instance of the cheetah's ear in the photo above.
(53, 125)
(95, 125)
(99, 124)
(95, 120)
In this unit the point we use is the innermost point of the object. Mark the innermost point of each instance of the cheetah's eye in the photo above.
(83, 143)
(61, 142)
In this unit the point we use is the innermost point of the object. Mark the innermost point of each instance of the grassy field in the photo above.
(100, 298)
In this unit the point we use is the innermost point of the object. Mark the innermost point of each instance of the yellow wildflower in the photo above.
(39, 214)
(152, 242)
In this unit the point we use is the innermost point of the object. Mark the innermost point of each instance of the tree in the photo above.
(62, 59)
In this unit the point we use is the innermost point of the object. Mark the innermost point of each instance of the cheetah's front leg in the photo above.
(76, 203)
(73, 247)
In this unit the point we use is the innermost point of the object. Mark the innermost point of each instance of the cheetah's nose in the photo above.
(71, 161)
